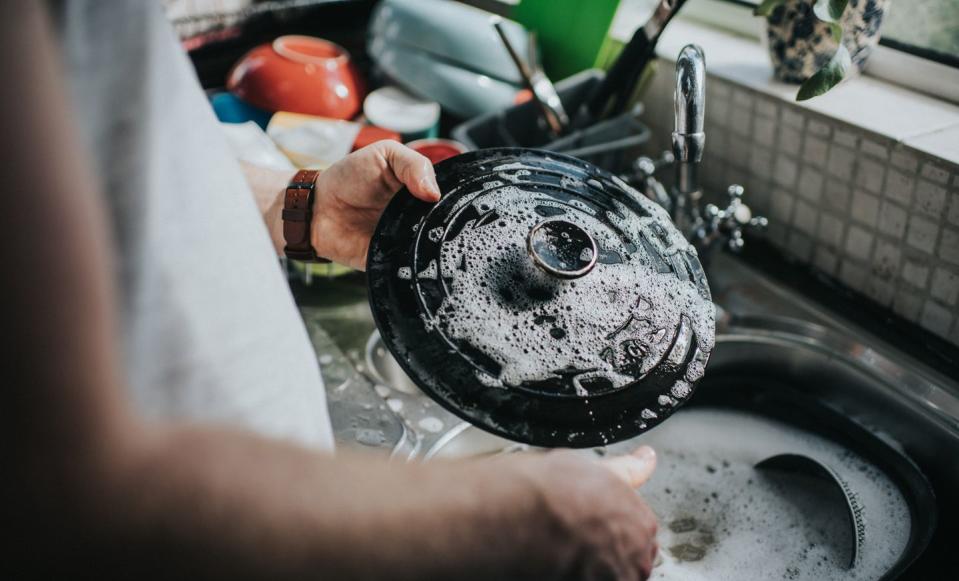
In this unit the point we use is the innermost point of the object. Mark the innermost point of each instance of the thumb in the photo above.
(634, 468)
(413, 169)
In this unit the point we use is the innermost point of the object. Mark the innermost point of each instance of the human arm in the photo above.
(350, 196)
(90, 488)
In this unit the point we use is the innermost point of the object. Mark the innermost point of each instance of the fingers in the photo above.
(412, 169)
(634, 468)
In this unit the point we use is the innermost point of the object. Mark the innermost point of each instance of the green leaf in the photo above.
(827, 77)
(766, 7)
(830, 10)
(836, 30)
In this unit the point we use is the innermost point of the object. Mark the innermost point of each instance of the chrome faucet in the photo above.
(689, 105)
(708, 226)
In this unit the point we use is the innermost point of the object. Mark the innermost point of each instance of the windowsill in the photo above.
(924, 123)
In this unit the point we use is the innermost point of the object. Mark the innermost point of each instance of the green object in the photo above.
(827, 77)
(571, 32)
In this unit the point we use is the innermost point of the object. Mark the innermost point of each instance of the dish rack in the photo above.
(610, 144)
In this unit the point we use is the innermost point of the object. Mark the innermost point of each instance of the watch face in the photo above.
(541, 299)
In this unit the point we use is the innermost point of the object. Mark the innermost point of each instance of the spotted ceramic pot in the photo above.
(800, 44)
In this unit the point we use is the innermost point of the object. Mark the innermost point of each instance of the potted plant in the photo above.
(817, 42)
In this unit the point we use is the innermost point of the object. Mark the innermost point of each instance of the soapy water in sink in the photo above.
(722, 519)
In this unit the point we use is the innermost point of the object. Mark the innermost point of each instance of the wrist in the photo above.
(299, 210)
(533, 539)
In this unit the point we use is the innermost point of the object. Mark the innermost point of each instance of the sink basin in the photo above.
(385, 369)
(773, 355)
(769, 338)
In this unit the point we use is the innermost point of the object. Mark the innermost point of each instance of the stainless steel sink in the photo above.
(829, 366)
(763, 328)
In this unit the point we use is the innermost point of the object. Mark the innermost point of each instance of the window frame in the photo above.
(891, 61)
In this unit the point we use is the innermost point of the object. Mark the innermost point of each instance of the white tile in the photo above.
(945, 286)
(741, 120)
(790, 140)
(935, 172)
(879, 290)
(815, 150)
(922, 234)
(717, 144)
(870, 174)
(865, 208)
(915, 273)
(782, 206)
(830, 230)
(885, 260)
(718, 111)
(936, 318)
(718, 87)
(869, 103)
(858, 243)
(904, 160)
(825, 260)
(953, 214)
(949, 246)
(742, 98)
(840, 163)
(818, 128)
(853, 275)
(739, 149)
(892, 220)
(906, 304)
(874, 149)
(811, 184)
(761, 161)
(804, 217)
(766, 107)
(943, 143)
(837, 196)
(845, 138)
(785, 171)
(764, 131)
(930, 198)
(899, 186)
(800, 246)
(792, 117)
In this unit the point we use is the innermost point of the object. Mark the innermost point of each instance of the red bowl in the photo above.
(436, 150)
(299, 74)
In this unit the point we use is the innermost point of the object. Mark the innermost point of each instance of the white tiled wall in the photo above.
(878, 216)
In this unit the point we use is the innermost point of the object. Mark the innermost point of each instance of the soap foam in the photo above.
(500, 302)
(720, 518)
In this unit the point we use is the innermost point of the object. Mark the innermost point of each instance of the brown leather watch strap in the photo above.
(298, 217)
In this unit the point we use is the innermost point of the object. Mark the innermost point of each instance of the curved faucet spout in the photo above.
(690, 105)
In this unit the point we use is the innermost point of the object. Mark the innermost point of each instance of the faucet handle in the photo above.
(731, 220)
(645, 167)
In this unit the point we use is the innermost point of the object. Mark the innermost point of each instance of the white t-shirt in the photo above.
(210, 329)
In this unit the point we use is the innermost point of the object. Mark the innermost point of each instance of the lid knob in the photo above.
(562, 248)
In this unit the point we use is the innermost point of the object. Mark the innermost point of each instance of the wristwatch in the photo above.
(298, 217)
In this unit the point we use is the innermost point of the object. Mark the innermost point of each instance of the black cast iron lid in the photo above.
(541, 299)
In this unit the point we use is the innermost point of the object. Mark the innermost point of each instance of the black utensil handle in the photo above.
(622, 96)
(619, 74)
(621, 78)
